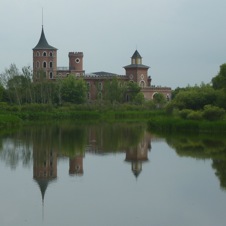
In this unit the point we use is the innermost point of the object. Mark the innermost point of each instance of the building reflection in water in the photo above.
(44, 167)
(139, 154)
(45, 153)
(76, 165)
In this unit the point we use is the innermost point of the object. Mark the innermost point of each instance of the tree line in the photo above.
(206, 101)
(17, 87)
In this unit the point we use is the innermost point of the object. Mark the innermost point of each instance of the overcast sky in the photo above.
(183, 41)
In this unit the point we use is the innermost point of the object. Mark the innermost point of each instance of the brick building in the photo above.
(45, 62)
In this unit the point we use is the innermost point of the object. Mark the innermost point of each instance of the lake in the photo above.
(110, 174)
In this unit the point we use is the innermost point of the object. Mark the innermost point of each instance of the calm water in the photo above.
(110, 174)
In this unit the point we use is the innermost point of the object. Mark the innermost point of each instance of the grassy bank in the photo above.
(174, 124)
(9, 120)
(41, 112)
(157, 120)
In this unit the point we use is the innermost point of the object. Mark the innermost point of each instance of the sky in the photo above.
(183, 41)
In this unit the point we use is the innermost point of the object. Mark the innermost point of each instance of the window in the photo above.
(50, 64)
(88, 96)
(88, 85)
(50, 75)
(38, 54)
(100, 96)
(44, 53)
(142, 84)
(37, 64)
(100, 85)
(44, 64)
(51, 54)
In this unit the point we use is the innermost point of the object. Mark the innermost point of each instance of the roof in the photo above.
(136, 55)
(136, 66)
(102, 74)
(43, 44)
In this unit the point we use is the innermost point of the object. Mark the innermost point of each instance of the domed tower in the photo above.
(44, 59)
(137, 72)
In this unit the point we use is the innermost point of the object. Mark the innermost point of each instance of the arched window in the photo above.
(100, 96)
(37, 64)
(50, 64)
(142, 84)
(50, 54)
(44, 53)
(38, 54)
(100, 85)
(44, 64)
(50, 75)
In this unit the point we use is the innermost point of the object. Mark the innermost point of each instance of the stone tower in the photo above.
(137, 72)
(44, 59)
(76, 63)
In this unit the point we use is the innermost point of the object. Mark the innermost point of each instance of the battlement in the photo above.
(75, 54)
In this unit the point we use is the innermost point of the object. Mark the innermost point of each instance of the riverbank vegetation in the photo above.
(198, 108)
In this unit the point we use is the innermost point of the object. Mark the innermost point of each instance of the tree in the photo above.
(73, 90)
(139, 99)
(159, 99)
(1, 92)
(219, 81)
(27, 73)
(194, 98)
(113, 91)
(132, 90)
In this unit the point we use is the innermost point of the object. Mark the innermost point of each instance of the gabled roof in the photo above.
(43, 44)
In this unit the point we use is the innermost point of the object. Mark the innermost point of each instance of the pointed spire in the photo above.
(43, 44)
(136, 55)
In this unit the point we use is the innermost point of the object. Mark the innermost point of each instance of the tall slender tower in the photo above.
(44, 59)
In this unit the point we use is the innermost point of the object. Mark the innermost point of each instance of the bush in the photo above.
(194, 115)
(212, 113)
(184, 113)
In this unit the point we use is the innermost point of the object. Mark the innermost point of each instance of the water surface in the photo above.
(110, 174)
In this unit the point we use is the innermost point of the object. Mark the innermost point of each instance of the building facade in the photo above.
(45, 64)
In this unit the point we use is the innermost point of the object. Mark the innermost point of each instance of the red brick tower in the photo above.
(44, 59)
(76, 63)
(137, 72)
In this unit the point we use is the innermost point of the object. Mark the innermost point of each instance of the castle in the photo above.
(45, 60)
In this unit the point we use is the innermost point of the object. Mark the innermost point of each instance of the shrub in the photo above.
(213, 113)
(184, 113)
(195, 115)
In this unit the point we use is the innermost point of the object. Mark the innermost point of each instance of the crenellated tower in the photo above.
(76, 63)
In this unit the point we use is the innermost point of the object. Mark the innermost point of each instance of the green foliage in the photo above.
(213, 113)
(1, 92)
(132, 90)
(219, 81)
(195, 115)
(159, 99)
(174, 124)
(114, 91)
(184, 113)
(194, 98)
(73, 90)
(139, 99)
